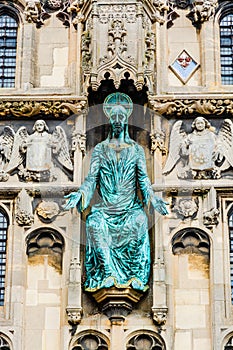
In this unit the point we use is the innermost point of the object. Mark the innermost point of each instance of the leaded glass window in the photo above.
(8, 45)
(3, 246)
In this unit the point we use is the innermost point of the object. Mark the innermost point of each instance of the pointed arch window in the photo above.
(3, 247)
(226, 48)
(8, 46)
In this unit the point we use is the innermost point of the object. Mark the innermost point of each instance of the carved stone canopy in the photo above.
(191, 240)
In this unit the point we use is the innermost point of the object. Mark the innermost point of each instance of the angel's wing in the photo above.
(176, 138)
(225, 144)
(17, 156)
(7, 141)
(62, 151)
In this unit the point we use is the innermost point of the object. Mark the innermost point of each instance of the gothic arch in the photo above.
(45, 241)
(93, 339)
(190, 240)
(145, 340)
(5, 342)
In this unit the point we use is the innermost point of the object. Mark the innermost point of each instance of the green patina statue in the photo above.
(117, 242)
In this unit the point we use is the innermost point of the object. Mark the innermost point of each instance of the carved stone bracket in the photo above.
(157, 141)
(211, 218)
(202, 11)
(74, 315)
(75, 11)
(161, 9)
(37, 11)
(187, 107)
(79, 140)
(115, 303)
(159, 315)
(30, 108)
(24, 215)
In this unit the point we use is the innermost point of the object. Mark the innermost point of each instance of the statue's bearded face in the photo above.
(117, 120)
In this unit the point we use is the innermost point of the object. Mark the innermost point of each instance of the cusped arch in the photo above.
(191, 240)
(145, 340)
(227, 342)
(45, 241)
(90, 339)
(5, 342)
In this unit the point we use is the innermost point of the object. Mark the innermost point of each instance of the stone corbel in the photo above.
(74, 315)
(24, 215)
(159, 315)
(79, 141)
(74, 308)
(37, 11)
(75, 10)
(202, 11)
(161, 9)
(158, 141)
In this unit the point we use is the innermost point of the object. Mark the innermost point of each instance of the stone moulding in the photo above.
(61, 107)
(190, 106)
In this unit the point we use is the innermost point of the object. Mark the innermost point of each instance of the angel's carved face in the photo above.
(39, 126)
(200, 124)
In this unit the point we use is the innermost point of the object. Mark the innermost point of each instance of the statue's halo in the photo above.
(118, 98)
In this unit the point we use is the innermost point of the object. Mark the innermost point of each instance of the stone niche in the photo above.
(44, 244)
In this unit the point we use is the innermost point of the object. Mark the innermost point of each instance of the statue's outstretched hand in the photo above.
(73, 200)
(159, 205)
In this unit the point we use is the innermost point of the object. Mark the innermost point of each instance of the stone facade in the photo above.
(70, 55)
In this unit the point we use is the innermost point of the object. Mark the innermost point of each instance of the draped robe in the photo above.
(117, 242)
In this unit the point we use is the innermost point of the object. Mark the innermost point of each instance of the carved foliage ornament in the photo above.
(200, 10)
(181, 107)
(37, 11)
(54, 108)
(185, 208)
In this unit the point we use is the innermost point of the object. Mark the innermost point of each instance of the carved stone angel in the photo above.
(202, 154)
(33, 155)
(6, 145)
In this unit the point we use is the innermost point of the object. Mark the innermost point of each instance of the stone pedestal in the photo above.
(117, 303)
